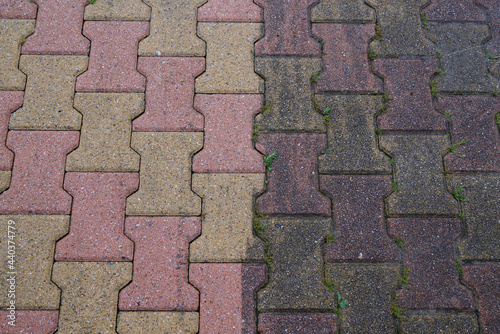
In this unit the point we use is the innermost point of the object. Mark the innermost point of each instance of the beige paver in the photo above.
(158, 322)
(117, 10)
(4, 180)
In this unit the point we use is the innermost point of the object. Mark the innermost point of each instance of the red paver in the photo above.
(429, 255)
(58, 29)
(17, 9)
(113, 57)
(494, 13)
(97, 217)
(293, 180)
(407, 83)
(297, 323)
(484, 279)
(473, 121)
(38, 171)
(160, 280)
(9, 102)
(234, 11)
(30, 322)
(169, 94)
(228, 146)
(358, 209)
(227, 300)
(346, 66)
(454, 10)
(287, 29)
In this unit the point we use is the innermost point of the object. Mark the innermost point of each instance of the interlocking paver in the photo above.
(228, 146)
(493, 7)
(106, 132)
(9, 101)
(160, 264)
(169, 94)
(117, 10)
(38, 172)
(450, 322)
(145, 322)
(17, 9)
(297, 323)
(342, 11)
(454, 11)
(235, 11)
(50, 89)
(40, 322)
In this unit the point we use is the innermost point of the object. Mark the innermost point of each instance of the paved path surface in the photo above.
(271, 166)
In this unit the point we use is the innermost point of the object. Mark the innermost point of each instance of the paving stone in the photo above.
(160, 280)
(12, 33)
(165, 174)
(407, 84)
(463, 59)
(34, 244)
(287, 27)
(289, 94)
(235, 11)
(178, 18)
(89, 296)
(346, 66)
(482, 214)
(473, 121)
(4, 180)
(227, 218)
(367, 288)
(352, 142)
(227, 295)
(297, 323)
(228, 146)
(493, 7)
(358, 210)
(484, 278)
(58, 29)
(151, 322)
(40, 322)
(429, 256)
(17, 9)
(106, 132)
(446, 323)
(38, 171)
(230, 59)
(9, 101)
(342, 11)
(401, 25)
(296, 278)
(50, 88)
(113, 57)
(97, 217)
(454, 11)
(169, 94)
(293, 178)
(418, 172)
(117, 10)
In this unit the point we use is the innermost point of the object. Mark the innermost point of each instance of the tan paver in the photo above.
(4, 180)
(158, 322)
(117, 10)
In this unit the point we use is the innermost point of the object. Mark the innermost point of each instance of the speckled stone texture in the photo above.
(12, 32)
(151, 322)
(342, 11)
(117, 10)
(407, 84)
(473, 121)
(402, 29)
(9, 101)
(35, 238)
(97, 217)
(160, 280)
(296, 277)
(429, 255)
(418, 172)
(367, 288)
(450, 322)
(454, 11)
(482, 214)
(293, 178)
(165, 174)
(48, 98)
(89, 295)
(228, 146)
(227, 234)
(40, 322)
(178, 18)
(345, 60)
(169, 94)
(227, 295)
(58, 29)
(230, 62)
(106, 132)
(113, 57)
(358, 212)
(484, 278)
(289, 94)
(17, 9)
(352, 142)
(38, 171)
(493, 7)
(297, 323)
(4, 180)
(234, 11)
